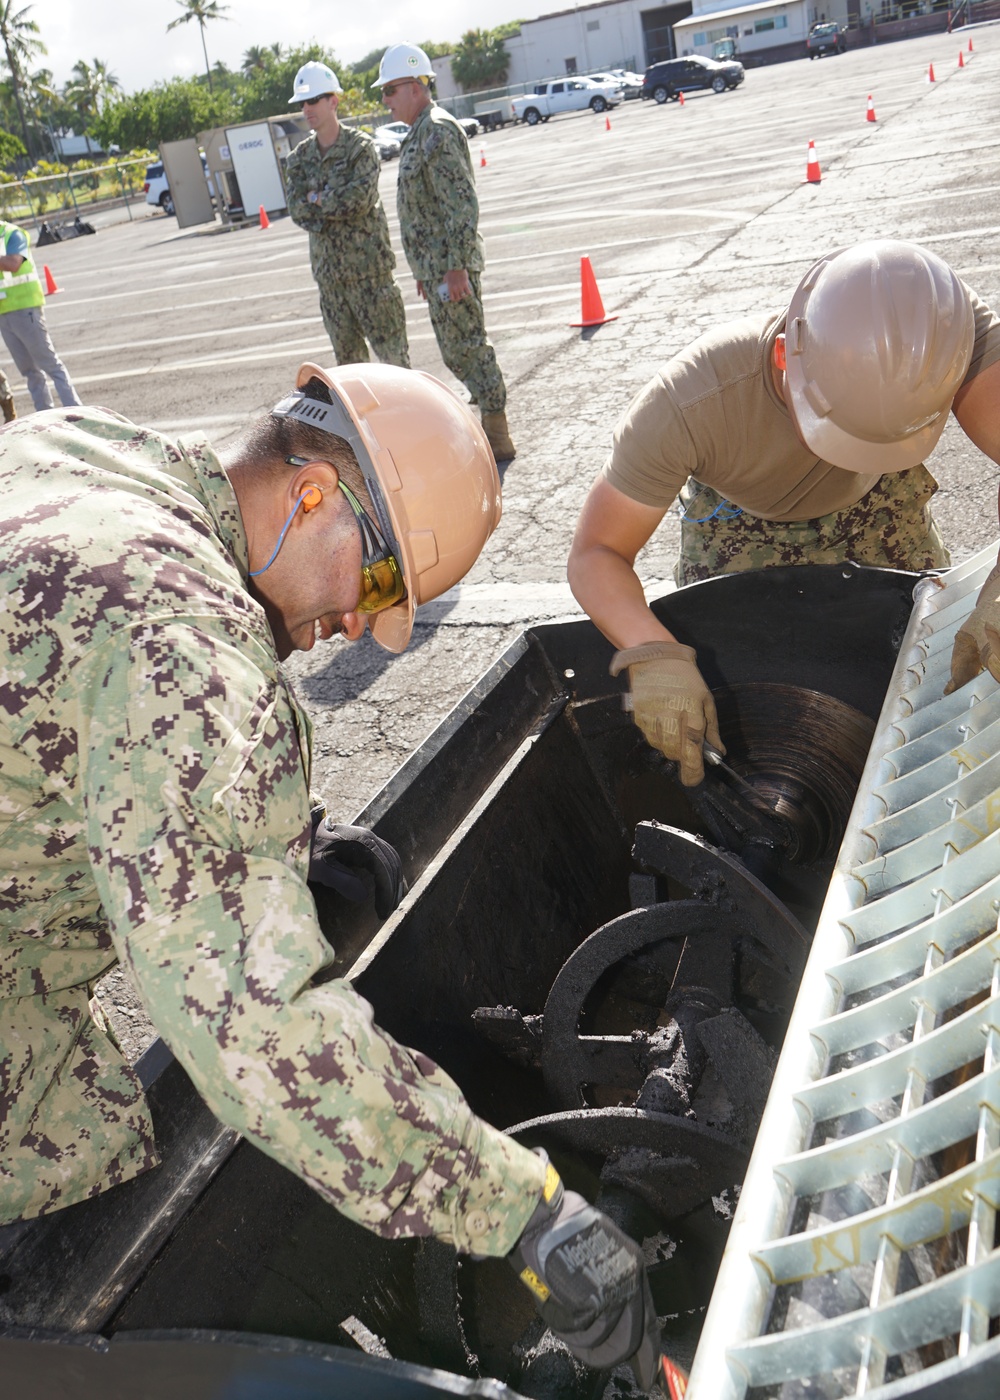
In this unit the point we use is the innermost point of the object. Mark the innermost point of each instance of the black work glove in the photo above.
(343, 856)
(589, 1283)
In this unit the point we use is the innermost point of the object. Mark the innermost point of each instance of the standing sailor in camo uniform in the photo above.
(332, 182)
(439, 224)
(23, 328)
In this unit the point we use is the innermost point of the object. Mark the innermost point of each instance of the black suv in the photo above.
(664, 82)
(825, 38)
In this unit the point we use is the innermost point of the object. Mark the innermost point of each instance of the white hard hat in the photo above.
(403, 61)
(314, 80)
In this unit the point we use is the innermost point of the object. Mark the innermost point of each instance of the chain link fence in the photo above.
(82, 188)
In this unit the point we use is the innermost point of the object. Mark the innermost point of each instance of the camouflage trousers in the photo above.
(460, 328)
(889, 528)
(359, 308)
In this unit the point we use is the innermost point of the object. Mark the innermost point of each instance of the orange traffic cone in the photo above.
(50, 283)
(961, 60)
(591, 306)
(930, 73)
(871, 109)
(675, 1379)
(482, 156)
(607, 123)
(265, 222)
(970, 46)
(680, 98)
(813, 175)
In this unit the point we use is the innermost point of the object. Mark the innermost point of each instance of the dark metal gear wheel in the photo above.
(656, 1176)
(734, 917)
(671, 1165)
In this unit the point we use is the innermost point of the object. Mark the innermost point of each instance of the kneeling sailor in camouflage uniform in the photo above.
(439, 224)
(791, 438)
(332, 179)
(154, 807)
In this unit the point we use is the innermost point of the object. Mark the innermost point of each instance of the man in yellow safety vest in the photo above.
(23, 328)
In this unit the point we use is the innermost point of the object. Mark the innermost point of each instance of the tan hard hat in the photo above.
(428, 468)
(877, 341)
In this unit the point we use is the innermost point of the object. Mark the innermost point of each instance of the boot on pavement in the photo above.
(498, 436)
(9, 411)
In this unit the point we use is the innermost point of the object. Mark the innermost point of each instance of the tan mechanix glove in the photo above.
(977, 642)
(672, 704)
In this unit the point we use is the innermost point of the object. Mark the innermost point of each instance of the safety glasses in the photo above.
(311, 101)
(382, 583)
(391, 89)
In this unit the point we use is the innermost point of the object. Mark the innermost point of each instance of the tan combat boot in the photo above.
(498, 436)
(9, 411)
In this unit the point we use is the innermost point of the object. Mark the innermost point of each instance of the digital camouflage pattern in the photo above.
(349, 247)
(889, 528)
(439, 223)
(460, 329)
(154, 806)
(353, 311)
(437, 202)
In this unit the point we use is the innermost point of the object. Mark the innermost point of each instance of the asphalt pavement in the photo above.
(690, 215)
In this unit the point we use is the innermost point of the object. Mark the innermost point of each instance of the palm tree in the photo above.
(202, 11)
(480, 59)
(254, 60)
(107, 82)
(17, 33)
(41, 99)
(89, 89)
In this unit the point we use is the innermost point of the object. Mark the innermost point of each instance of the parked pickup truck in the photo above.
(566, 95)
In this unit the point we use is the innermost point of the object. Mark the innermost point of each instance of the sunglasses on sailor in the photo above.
(382, 584)
(391, 89)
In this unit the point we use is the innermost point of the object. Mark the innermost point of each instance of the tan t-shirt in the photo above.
(712, 413)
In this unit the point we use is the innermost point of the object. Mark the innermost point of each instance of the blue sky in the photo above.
(131, 38)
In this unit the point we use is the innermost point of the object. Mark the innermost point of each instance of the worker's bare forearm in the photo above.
(608, 589)
(977, 408)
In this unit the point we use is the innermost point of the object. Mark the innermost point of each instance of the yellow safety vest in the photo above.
(22, 289)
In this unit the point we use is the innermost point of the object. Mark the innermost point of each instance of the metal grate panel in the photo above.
(861, 1260)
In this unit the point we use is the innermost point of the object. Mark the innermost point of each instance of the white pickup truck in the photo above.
(566, 95)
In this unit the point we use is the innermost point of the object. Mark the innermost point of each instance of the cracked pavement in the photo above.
(691, 216)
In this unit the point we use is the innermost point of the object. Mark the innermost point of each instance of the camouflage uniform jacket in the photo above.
(154, 806)
(348, 232)
(436, 199)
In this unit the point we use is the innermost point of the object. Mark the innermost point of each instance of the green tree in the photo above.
(480, 60)
(255, 59)
(47, 109)
(202, 11)
(10, 148)
(267, 91)
(370, 61)
(17, 33)
(168, 112)
(44, 107)
(88, 91)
